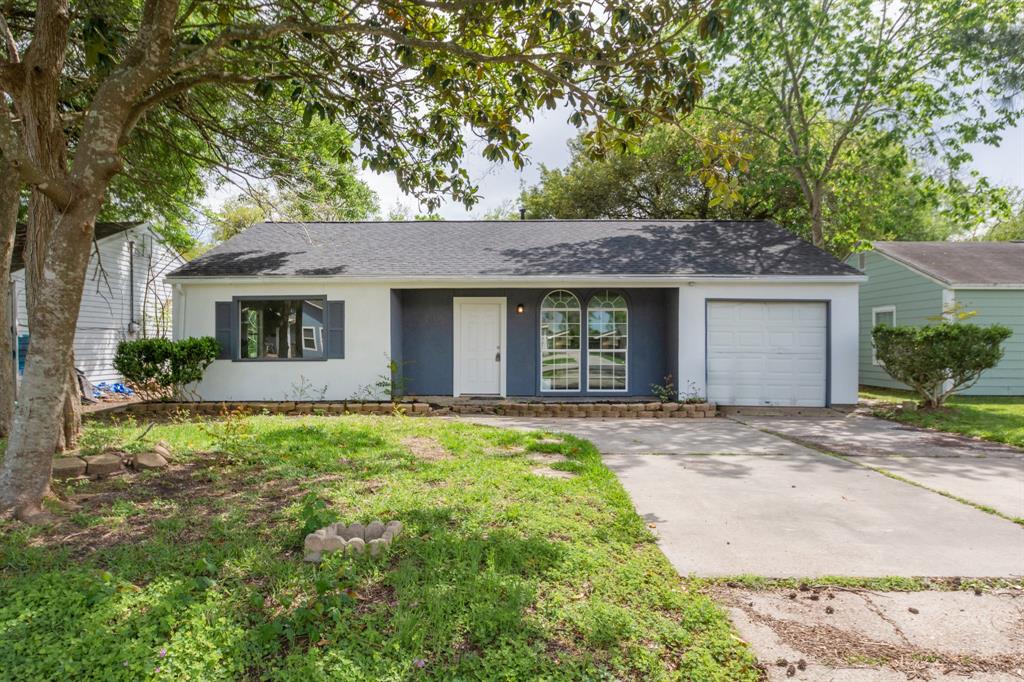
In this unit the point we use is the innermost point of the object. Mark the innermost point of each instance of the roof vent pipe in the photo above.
(522, 213)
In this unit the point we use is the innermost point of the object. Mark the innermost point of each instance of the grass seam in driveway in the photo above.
(896, 477)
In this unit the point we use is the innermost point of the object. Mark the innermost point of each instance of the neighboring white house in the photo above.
(742, 312)
(125, 295)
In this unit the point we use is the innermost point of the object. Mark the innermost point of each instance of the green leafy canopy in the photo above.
(851, 88)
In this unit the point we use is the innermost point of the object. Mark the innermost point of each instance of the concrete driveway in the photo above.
(727, 498)
(984, 473)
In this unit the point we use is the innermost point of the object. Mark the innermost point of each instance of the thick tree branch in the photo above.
(8, 37)
(12, 148)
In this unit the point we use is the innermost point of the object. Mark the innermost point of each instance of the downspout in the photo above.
(131, 289)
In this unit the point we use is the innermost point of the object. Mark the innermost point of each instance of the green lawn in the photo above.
(993, 418)
(196, 573)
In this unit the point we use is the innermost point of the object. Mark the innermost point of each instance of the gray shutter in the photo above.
(224, 325)
(335, 329)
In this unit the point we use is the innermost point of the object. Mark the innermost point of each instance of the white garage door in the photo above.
(762, 353)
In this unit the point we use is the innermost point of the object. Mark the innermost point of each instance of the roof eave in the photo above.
(511, 279)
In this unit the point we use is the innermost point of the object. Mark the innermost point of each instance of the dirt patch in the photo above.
(547, 472)
(375, 597)
(183, 491)
(425, 448)
(548, 459)
(898, 635)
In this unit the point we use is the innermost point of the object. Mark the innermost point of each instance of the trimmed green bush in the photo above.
(160, 368)
(939, 360)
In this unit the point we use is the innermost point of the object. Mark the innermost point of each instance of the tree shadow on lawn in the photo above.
(246, 605)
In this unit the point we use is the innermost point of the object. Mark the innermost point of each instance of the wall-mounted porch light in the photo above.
(520, 309)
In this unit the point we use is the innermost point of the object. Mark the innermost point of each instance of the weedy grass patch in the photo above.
(995, 418)
(197, 572)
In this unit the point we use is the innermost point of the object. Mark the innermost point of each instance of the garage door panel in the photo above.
(767, 353)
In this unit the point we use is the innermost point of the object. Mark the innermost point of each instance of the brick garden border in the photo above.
(595, 410)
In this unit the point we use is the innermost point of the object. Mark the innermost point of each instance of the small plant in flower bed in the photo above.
(198, 573)
(665, 392)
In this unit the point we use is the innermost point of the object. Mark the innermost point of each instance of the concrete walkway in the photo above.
(763, 505)
(984, 473)
(834, 635)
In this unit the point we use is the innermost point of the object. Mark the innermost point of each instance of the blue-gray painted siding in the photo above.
(916, 298)
(426, 339)
(1002, 307)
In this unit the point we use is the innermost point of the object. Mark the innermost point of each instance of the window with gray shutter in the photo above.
(335, 329)
(223, 325)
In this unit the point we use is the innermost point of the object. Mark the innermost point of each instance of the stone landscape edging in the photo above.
(595, 410)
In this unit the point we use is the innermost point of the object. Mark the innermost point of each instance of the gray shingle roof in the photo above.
(962, 262)
(517, 248)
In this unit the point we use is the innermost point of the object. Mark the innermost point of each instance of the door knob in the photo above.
(497, 356)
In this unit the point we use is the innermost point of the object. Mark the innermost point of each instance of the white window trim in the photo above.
(625, 353)
(316, 346)
(457, 302)
(581, 350)
(874, 323)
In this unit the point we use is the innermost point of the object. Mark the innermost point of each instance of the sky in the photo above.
(550, 133)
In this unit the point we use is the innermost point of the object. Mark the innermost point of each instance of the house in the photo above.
(744, 313)
(915, 283)
(125, 295)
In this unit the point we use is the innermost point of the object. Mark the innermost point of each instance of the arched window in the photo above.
(560, 342)
(607, 342)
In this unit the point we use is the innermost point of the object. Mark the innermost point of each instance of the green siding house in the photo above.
(914, 283)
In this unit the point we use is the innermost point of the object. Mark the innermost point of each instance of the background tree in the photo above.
(1010, 227)
(664, 177)
(826, 76)
(404, 78)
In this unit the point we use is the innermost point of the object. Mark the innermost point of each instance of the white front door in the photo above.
(479, 346)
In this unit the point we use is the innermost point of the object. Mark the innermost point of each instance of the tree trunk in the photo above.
(27, 466)
(44, 221)
(817, 218)
(9, 194)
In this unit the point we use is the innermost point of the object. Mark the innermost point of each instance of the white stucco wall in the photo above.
(843, 300)
(367, 342)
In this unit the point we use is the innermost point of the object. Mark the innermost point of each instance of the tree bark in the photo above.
(27, 466)
(71, 413)
(817, 217)
(9, 194)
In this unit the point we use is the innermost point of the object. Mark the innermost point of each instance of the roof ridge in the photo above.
(517, 220)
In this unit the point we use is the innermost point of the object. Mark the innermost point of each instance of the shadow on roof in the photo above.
(235, 263)
(659, 249)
